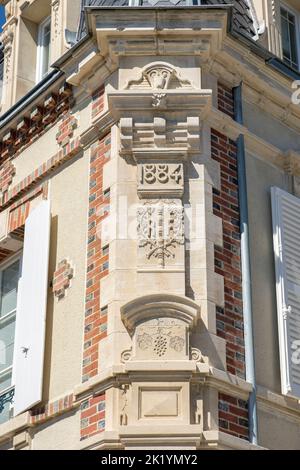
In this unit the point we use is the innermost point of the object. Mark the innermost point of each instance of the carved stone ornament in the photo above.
(126, 355)
(160, 179)
(159, 76)
(160, 228)
(124, 404)
(197, 356)
(159, 325)
(161, 338)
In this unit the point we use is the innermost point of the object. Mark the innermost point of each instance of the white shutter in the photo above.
(286, 237)
(31, 311)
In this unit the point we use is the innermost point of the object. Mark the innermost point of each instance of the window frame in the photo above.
(13, 313)
(296, 15)
(40, 48)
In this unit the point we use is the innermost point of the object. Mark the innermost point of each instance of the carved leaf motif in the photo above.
(144, 341)
(177, 343)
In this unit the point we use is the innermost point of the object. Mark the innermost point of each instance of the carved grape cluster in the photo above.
(160, 345)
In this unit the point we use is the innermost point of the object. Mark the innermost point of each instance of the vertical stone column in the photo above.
(57, 30)
(161, 291)
(8, 39)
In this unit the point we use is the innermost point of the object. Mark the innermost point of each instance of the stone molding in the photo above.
(160, 305)
(35, 121)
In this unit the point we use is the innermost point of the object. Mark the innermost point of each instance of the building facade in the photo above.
(149, 225)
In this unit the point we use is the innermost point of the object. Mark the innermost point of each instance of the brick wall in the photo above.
(233, 416)
(41, 414)
(20, 210)
(227, 258)
(37, 121)
(7, 172)
(98, 101)
(225, 100)
(62, 279)
(66, 129)
(92, 416)
(233, 413)
(97, 267)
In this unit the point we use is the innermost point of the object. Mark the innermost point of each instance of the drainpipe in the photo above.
(246, 269)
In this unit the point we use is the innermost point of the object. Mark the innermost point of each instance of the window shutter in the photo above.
(31, 310)
(286, 237)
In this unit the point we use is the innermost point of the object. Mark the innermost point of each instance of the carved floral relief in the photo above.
(161, 338)
(160, 229)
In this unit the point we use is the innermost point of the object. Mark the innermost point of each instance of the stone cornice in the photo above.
(21, 128)
(209, 376)
(263, 86)
(188, 370)
(228, 59)
(225, 441)
(100, 126)
(228, 383)
(284, 405)
(206, 440)
(288, 161)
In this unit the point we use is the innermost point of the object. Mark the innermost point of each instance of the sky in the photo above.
(2, 17)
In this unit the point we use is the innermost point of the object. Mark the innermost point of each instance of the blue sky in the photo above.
(2, 17)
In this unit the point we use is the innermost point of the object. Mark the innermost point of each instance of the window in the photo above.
(286, 228)
(9, 278)
(43, 49)
(23, 307)
(290, 37)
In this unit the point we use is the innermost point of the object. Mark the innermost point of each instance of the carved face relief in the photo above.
(161, 338)
(159, 76)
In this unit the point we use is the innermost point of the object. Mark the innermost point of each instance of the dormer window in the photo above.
(290, 36)
(43, 49)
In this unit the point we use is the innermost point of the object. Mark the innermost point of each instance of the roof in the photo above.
(242, 21)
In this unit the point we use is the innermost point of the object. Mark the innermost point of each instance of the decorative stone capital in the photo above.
(160, 102)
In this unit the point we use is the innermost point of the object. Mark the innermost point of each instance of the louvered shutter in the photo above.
(31, 311)
(286, 237)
